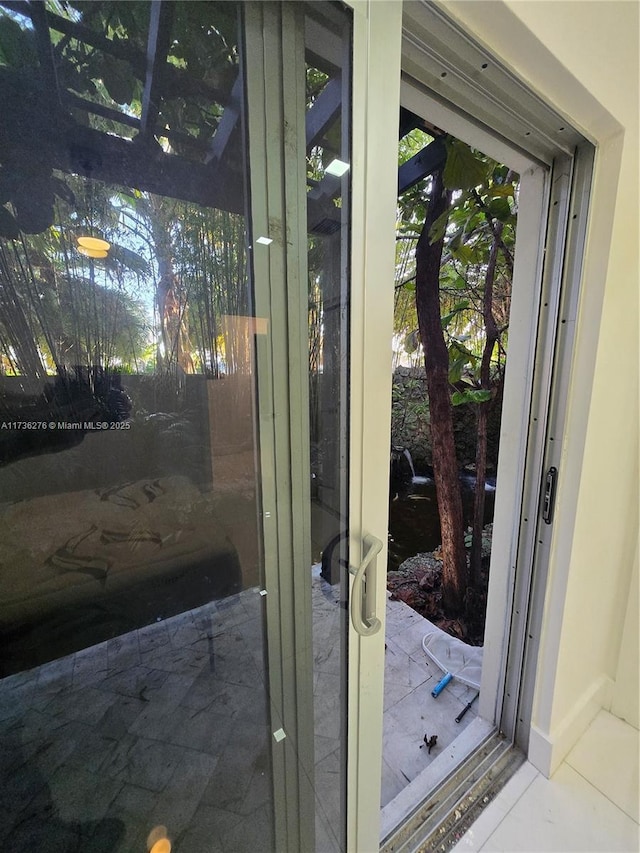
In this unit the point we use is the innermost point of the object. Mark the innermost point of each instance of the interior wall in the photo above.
(624, 703)
(582, 57)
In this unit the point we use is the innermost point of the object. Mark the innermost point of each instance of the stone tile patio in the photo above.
(168, 726)
(410, 711)
(165, 726)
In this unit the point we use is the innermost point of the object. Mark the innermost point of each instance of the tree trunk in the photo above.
(436, 362)
(172, 314)
(491, 336)
(475, 561)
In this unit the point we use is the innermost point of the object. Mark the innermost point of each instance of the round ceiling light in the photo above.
(94, 243)
(93, 253)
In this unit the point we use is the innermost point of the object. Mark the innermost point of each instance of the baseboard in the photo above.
(547, 750)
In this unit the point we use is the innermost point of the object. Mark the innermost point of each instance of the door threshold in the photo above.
(398, 810)
(449, 806)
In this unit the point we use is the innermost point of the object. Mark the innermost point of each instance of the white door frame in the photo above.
(552, 161)
(275, 87)
(525, 304)
(377, 29)
(374, 173)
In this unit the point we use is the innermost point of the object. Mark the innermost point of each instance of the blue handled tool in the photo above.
(454, 658)
(437, 690)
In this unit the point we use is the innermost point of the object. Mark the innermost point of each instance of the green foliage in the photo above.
(487, 537)
(463, 170)
(457, 308)
(484, 196)
(501, 190)
(499, 208)
(470, 395)
(411, 144)
(466, 254)
(316, 80)
(17, 45)
(117, 79)
(411, 342)
(460, 359)
(409, 413)
(439, 227)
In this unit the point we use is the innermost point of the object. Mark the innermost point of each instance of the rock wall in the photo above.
(410, 422)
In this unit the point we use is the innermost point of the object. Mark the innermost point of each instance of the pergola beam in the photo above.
(43, 42)
(227, 125)
(424, 163)
(408, 122)
(41, 131)
(158, 42)
(76, 102)
(326, 108)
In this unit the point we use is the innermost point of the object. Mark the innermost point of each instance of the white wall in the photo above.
(582, 57)
(627, 688)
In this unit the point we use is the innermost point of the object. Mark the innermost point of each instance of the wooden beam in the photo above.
(76, 102)
(408, 122)
(45, 58)
(324, 112)
(158, 41)
(432, 157)
(228, 124)
(41, 132)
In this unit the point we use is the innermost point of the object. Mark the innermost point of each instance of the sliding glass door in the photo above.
(298, 84)
(174, 336)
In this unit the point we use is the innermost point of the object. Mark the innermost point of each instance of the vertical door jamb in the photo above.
(534, 427)
(569, 238)
(524, 314)
(275, 97)
(376, 86)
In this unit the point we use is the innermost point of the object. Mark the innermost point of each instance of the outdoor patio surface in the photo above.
(168, 726)
(165, 726)
(410, 711)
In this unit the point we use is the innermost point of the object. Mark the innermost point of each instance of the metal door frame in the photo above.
(275, 93)
(472, 91)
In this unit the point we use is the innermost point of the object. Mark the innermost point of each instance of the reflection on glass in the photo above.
(328, 155)
(133, 690)
(133, 694)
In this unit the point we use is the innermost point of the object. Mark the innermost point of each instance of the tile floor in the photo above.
(168, 726)
(410, 711)
(590, 804)
(165, 726)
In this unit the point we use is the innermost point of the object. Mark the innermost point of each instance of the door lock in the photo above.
(549, 495)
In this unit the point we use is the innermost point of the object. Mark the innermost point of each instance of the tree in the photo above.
(488, 221)
(462, 284)
(436, 360)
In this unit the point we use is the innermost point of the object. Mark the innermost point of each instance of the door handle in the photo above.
(363, 606)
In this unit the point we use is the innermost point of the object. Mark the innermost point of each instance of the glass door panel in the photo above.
(301, 287)
(173, 454)
(328, 145)
(134, 694)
